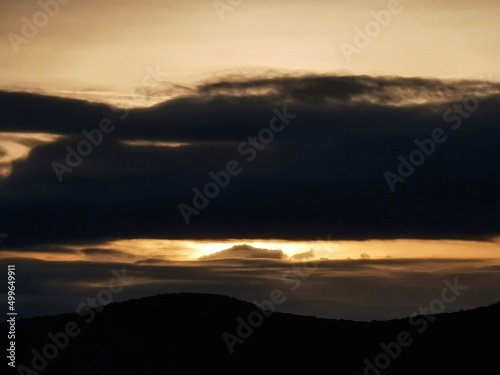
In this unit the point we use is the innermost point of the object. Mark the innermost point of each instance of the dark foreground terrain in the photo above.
(184, 334)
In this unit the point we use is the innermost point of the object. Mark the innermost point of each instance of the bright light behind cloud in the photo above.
(188, 250)
(185, 250)
(16, 146)
(289, 248)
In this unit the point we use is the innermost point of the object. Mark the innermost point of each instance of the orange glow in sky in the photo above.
(192, 250)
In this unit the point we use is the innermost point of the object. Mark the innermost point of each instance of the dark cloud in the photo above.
(302, 256)
(245, 251)
(348, 90)
(105, 254)
(323, 174)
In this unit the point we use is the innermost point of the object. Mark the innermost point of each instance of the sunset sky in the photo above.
(303, 112)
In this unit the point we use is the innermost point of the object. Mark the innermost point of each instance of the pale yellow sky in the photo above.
(109, 45)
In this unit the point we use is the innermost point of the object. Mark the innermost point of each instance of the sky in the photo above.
(225, 146)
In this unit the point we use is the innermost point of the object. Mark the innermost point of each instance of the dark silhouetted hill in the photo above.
(183, 334)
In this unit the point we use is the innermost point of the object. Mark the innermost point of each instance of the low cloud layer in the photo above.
(349, 289)
(245, 251)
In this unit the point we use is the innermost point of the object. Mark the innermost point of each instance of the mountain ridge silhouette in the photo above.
(183, 333)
